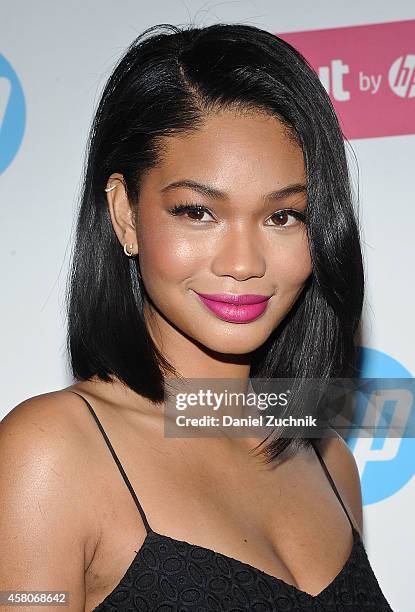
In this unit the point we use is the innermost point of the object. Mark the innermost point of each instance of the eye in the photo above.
(191, 209)
(198, 211)
(282, 216)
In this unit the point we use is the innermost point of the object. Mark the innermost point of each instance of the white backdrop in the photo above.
(62, 53)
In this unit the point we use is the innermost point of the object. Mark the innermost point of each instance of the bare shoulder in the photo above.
(45, 513)
(50, 425)
(45, 436)
(51, 408)
(342, 466)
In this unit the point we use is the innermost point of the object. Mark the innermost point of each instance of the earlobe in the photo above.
(132, 254)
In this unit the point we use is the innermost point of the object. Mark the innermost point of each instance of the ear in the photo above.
(121, 212)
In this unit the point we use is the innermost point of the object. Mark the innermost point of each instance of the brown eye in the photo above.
(282, 218)
(194, 212)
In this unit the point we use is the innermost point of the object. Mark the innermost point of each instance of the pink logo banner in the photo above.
(369, 73)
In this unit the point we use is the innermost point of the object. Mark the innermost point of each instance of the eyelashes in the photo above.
(198, 209)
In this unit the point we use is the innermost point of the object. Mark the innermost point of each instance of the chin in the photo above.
(233, 344)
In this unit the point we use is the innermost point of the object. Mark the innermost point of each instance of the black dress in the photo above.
(169, 575)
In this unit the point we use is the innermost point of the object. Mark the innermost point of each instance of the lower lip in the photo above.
(233, 313)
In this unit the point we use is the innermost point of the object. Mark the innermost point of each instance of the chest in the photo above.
(225, 503)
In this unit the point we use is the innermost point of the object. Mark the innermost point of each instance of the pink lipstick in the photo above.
(235, 308)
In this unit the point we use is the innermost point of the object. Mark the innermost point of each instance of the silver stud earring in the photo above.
(126, 252)
(107, 189)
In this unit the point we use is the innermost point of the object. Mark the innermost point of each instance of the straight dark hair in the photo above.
(168, 81)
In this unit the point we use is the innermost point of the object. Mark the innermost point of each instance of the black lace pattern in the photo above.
(169, 575)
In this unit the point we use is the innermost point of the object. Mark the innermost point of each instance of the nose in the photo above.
(238, 253)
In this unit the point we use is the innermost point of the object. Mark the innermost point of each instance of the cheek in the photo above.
(291, 263)
(167, 256)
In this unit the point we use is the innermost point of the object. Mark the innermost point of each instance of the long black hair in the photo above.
(167, 82)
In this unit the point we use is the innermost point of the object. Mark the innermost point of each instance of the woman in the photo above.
(216, 165)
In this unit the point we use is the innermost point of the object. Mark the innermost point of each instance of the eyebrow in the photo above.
(218, 194)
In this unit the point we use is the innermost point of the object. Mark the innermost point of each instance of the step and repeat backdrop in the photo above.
(54, 60)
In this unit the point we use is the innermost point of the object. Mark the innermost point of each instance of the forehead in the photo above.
(235, 152)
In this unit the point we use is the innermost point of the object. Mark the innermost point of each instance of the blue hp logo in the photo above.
(386, 464)
(12, 113)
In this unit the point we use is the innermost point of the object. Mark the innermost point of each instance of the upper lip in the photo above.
(233, 298)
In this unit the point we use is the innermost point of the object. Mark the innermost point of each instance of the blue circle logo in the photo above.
(386, 464)
(12, 114)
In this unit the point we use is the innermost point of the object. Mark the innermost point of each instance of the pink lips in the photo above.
(235, 308)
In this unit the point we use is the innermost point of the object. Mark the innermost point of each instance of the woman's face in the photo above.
(241, 244)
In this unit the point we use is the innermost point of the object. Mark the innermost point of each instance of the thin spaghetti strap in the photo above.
(117, 461)
(333, 485)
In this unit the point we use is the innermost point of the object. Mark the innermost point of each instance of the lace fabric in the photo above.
(172, 575)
